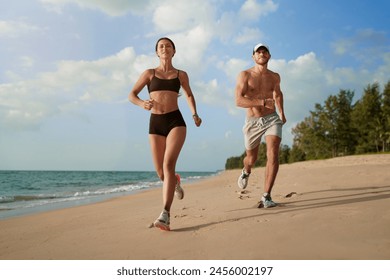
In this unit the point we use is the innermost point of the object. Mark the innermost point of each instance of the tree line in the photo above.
(338, 127)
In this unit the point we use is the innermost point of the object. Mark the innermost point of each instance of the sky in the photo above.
(67, 66)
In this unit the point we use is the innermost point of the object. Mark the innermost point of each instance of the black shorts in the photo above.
(162, 124)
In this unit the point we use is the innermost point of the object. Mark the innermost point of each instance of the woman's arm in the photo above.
(185, 84)
(143, 80)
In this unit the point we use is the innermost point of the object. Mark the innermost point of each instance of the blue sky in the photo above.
(67, 67)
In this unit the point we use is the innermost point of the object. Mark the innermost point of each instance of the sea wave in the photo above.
(27, 201)
(32, 191)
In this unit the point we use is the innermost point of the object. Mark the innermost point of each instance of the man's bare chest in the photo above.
(261, 86)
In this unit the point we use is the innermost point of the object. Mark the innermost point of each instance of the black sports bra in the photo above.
(156, 83)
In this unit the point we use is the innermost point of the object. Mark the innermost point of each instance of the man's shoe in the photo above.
(243, 179)
(267, 202)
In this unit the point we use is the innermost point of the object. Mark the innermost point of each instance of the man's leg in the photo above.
(272, 167)
(250, 159)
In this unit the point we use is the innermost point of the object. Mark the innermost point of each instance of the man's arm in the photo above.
(278, 97)
(241, 88)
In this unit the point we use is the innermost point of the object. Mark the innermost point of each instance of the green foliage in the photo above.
(366, 119)
(327, 132)
(385, 118)
(339, 128)
(234, 162)
(284, 154)
(296, 155)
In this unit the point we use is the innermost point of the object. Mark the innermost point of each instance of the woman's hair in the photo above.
(166, 38)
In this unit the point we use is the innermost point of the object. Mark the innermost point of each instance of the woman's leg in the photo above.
(174, 144)
(157, 145)
(165, 152)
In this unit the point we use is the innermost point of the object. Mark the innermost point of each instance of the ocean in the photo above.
(27, 192)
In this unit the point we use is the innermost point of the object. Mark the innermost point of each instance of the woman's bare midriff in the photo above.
(164, 102)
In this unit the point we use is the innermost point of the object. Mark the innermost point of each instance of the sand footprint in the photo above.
(180, 216)
(244, 194)
(291, 194)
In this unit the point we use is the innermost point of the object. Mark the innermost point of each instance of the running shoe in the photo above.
(179, 192)
(267, 202)
(243, 179)
(162, 221)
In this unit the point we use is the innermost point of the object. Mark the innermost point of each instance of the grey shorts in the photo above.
(255, 128)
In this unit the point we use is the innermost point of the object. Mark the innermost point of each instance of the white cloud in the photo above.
(191, 46)
(225, 26)
(340, 76)
(382, 73)
(210, 92)
(252, 10)
(303, 80)
(233, 66)
(27, 103)
(306, 81)
(228, 134)
(232, 25)
(216, 94)
(342, 46)
(14, 29)
(174, 16)
(26, 62)
(190, 24)
(11, 76)
(112, 8)
(361, 43)
(249, 35)
(23, 106)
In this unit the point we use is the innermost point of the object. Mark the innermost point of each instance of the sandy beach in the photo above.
(328, 210)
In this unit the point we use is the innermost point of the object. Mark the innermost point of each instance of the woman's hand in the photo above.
(148, 104)
(197, 120)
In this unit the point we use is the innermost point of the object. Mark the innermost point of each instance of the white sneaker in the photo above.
(267, 202)
(162, 221)
(179, 192)
(243, 179)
